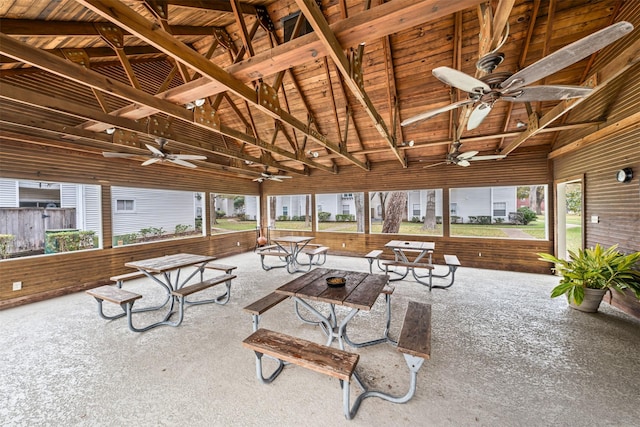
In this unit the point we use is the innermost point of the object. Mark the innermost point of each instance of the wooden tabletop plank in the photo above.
(169, 262)
(292, 287)
(367, 292)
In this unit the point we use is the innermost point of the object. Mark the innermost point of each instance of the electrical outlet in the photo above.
(344, 245)
(17, 286)
(238, 244)
(479, 253)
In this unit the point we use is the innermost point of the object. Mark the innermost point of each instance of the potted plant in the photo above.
(590, 273)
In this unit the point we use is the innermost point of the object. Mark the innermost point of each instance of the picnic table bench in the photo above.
(265, 303)
(374, 256)
(414, 342)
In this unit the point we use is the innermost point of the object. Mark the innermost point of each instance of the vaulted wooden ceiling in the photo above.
(332, 96)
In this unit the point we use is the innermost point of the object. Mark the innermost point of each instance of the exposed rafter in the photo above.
(125, 17)
(149, 104)
(351, 72)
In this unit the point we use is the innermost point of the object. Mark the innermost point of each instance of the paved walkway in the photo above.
(503, 354)
(516, 233)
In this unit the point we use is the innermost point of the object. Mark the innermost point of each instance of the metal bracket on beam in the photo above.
(126, 137)
(264, 19)
(160, 127)
(207, 116)
(268, 98)
(533, 122)
(356, 67)
(160, 10)
(224, 39)
(77, 56)
(111, 34)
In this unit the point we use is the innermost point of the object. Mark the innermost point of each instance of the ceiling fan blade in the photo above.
(435, 164)
(546, 93)
(182, 163)
(154, 150)
(567, 55)
(466, 155)
(258, 179)
(488, 157)
(435, 112)
(151, 161)
(477, 116)
(281, 176)
(122, 155)
(273, 178)
(460, 80)
(463, 163)
(185, 157)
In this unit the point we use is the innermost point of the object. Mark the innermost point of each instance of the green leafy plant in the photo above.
(5, 245)
(595, 268)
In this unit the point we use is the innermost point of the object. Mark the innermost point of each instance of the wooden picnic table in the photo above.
(402, 249)
(360, 292)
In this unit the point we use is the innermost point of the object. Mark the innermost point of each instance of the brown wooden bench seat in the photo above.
(415, 345)
(409, 264)
(187, 290)
(415, 336)
(115, 295)
(320, 358)
(273, 250)
(452, 262)
(265, 303)
(228, 269)
(121, 278)
(374, 256)
(313, 251)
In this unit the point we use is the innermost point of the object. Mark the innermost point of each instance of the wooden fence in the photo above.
(28, 226)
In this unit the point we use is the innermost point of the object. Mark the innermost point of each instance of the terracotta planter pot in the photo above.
(591, 302)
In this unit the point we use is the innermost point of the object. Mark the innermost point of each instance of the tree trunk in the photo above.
(533, 199)
(214, 217)
(394, 212)
(272, 212)
(430, 211)
(540, 197)
(383, 199)
(358, 199)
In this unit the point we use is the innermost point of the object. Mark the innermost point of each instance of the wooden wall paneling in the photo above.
(617, 205)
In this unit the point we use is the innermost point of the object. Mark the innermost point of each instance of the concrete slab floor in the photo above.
(503, 354)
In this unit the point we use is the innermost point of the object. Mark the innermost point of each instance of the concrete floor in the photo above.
(503, 354)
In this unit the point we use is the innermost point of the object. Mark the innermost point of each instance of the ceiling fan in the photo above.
(462, 159)
(160, 155)
(485, 91)
(267, 176)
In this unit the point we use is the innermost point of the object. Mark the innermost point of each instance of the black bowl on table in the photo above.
(336, 282)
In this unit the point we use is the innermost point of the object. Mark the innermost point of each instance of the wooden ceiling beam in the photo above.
(350, 71)
(39, 28)
(145, 104)
(41, 101)
(214, 5)
(125, 17)
(370, 25)
(599, 133)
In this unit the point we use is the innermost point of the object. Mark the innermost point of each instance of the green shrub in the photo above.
(220, 214)
(182, 228)
(345, 217)
(527, 215)
(68, 241)
(5, 243)
(415, 219)
(283, 218)
(324, 216)
(125, 239)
